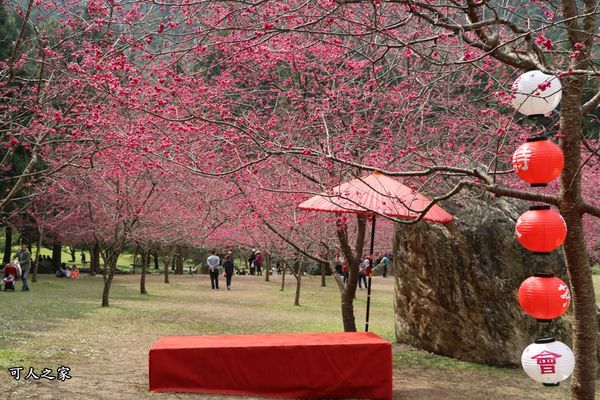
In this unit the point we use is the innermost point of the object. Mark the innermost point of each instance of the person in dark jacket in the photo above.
(258, 262)
(229, 267)
(251, 261)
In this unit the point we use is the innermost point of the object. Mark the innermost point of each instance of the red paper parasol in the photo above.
(374, 195)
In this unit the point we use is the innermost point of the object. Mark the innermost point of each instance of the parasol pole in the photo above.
(369, 272)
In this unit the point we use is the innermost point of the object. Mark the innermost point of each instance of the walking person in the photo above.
(229, 267)
(345, 271)
(258, 262)
(362, 272)
(25, 260)
(213, 262)
(385, 261)
(338, 264)
(251, 261)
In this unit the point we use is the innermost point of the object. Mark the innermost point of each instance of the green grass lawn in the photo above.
(60, 322)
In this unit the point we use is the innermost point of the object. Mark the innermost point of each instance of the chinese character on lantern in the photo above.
(566, 296)
(521, 158)
(546, 361)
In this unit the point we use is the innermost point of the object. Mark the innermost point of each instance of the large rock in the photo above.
(457, 284)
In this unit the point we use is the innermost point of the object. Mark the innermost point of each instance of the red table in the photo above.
(311, 365)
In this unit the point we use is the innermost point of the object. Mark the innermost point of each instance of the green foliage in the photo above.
(9, 31)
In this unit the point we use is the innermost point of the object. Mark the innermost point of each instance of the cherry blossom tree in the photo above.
(433, 44)
(281, 100)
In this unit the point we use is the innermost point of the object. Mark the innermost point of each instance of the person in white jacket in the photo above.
(213, 262)
(362, 272)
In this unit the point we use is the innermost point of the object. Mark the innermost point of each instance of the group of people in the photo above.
(47, 259)
(256, 262)
(65, 272)
(214, 269)
(20, 269)
(364, 268)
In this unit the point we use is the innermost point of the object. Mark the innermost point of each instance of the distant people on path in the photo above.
(63, 271)
(345, 271)
(258, 262)
(385, 262)
(338, 264)
(277, 269)
(251, 260)
(362, 272)
(24, 258)
(228, 267)
(213, 262)
(239, 271)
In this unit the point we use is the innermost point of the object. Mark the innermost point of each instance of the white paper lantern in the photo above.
(548, 361)
(536, 93)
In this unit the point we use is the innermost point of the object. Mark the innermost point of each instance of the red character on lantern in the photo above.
(547, 361)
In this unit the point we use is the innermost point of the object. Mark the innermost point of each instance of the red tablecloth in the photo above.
(312, 365)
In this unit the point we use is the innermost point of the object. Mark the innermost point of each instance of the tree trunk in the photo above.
(283, 277)
(95, 259)
(72, 251)
(585, 325)
(7, 244)
(155, 255)
(56, 255)
(179, 261)
(323, 281)
(145, 265)
(267, 266)
(168, 262)
(348, 295)
(110, 267)
(137, 254)
(353, 258)
(299, 283)
(336, 277)
(38, 250)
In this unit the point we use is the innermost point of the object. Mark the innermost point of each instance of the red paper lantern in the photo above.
(544, 296)
(538, 161)
(541, 230)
